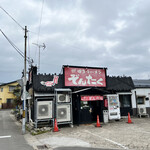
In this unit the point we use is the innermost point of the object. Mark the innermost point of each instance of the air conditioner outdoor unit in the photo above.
(44, 109)
(63, 98)
(63, 113)
(141, 110)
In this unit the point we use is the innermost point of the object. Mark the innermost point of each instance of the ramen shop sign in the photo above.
(85, 77)
(91, 98)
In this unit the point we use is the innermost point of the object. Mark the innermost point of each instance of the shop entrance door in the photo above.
(90, 107)
(85, 112)
(125, 105)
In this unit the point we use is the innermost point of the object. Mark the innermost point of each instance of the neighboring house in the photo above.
(141, 97)
(6, 94)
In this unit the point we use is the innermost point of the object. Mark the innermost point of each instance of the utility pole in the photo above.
(24, 85)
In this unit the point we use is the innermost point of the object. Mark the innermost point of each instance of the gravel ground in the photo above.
(114, 135)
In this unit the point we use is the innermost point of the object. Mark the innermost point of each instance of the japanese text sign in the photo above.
(85, 77)
(91, 98)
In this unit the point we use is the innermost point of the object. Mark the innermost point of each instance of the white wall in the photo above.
(133, 99)
(141, 92)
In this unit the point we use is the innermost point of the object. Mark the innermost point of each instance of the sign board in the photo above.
(50, 83)
(91, 98)
(85, 77)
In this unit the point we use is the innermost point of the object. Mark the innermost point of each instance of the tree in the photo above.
(17, 94)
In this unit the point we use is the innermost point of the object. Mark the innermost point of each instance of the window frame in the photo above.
(125, 100)
(13, 87)
(2, 89)
(140, 97)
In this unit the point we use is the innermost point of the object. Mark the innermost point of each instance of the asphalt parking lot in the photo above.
(114, 135)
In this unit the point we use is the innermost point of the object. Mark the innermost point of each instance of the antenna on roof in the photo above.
(39, 46)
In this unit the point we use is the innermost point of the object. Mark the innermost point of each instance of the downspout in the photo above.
(135, 101)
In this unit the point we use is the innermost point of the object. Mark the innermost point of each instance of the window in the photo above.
(11, 88)
(1, 89)
(125, 100)
(9, 101)
(140, 100)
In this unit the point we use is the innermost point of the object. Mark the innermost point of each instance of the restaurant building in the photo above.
(77, 96)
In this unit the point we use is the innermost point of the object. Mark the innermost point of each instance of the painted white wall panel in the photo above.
(141, 92)
(133, 99)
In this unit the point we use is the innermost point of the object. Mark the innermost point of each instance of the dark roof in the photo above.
(141, 83)
(38, 87)
(119, 83)
(113, 83)
(9, 82)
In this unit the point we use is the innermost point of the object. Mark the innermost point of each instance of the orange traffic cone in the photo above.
(129, 119)
(55, 126)
(98, 122)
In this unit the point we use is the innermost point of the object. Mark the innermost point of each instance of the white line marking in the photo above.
(8, 136)
(116, 143)
(108, 140)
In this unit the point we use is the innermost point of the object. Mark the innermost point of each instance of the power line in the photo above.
(40, 22)
(15, 47)
(15, 20)
(12, 18)
(38, 35)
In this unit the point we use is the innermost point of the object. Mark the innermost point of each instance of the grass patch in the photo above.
(37, 133)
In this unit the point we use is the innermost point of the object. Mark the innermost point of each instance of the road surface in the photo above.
(79, 148)
(11, 137)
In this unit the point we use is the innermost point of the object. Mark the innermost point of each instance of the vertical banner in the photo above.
(106, 103)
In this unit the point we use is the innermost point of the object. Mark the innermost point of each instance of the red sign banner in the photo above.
(91, 98)
(106, 103)
(85, 77)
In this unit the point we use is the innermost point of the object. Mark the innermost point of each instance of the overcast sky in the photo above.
(96, 33)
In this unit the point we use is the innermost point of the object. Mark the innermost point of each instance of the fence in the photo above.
(7, 106)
